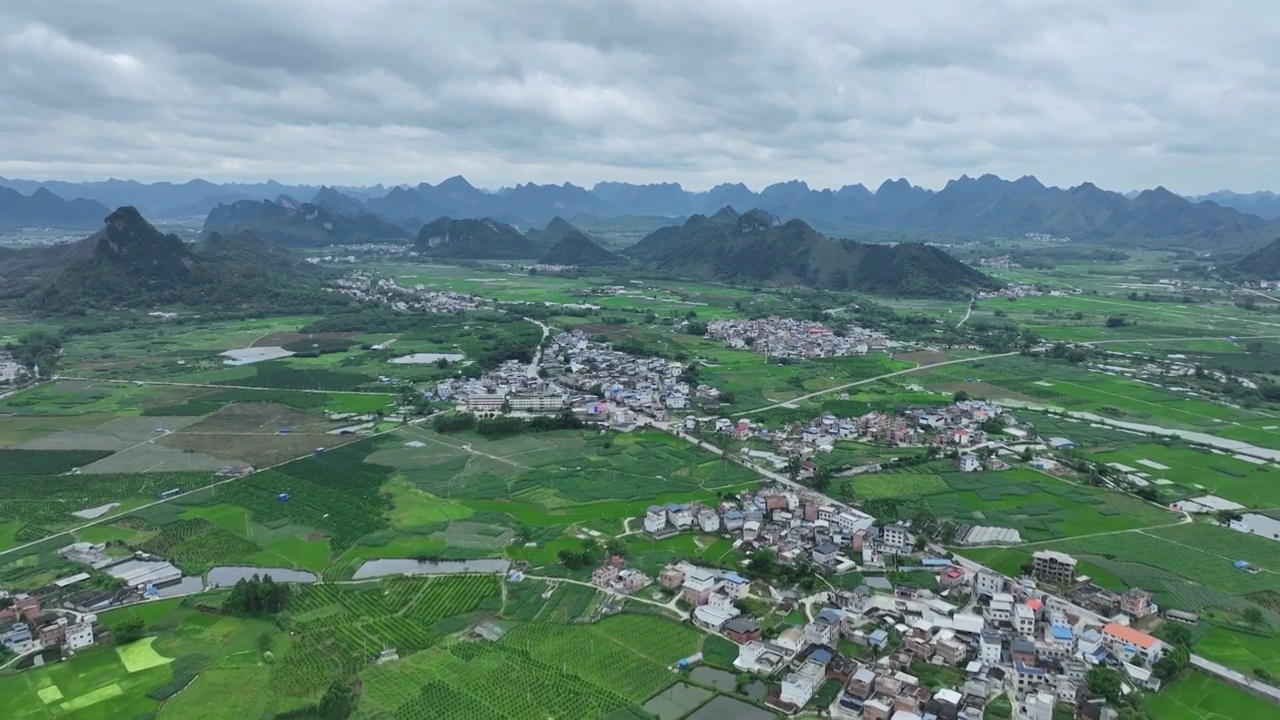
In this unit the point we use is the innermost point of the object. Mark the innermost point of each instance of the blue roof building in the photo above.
(878, 638)
(821, 656)
(736, 579)
(1061, 633)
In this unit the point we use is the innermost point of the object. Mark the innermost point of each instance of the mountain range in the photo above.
(330, 221)
(1263, 263)
(756, 248)
(129, 263)
(965, 207)
(42, 208)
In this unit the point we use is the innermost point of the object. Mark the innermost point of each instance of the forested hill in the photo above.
(756, 248)
(128, 263)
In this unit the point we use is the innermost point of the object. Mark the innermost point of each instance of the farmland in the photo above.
(1200, 697)
(537, 670)
(1039, 506)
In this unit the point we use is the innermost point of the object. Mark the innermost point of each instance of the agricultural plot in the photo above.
(1200, 697)
(1199, 472)
(42, 504)
(1243, 651)
(561, 473)
(536, 671)
(1038, 506)
(198, 544)
(341, 629)
(1180, 575)
(549, 601)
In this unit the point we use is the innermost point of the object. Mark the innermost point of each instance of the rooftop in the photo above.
(1129, 635)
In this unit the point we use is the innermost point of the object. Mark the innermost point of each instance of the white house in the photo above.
(709, 521)
(987, 583)
(80, 635)
(655, 520)
(736, 586)
(679, 515)
(968, 462)
(990, 645)
(799, 687)
(896, 536)
(1024, 619)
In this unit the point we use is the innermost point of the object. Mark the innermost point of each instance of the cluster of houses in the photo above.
(998, 262)
(368, 286)
(789, 338)
(958, 426)
(25, 627)
(796, 524)
(647, 385)
(1000, 635)
(10, 370)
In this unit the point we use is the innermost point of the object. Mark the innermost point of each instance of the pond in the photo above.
(408, 566)
(718, 679)
(425, 358)
(230, 575)
(726, 708)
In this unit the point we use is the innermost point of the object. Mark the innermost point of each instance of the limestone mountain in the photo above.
(482, 239)
(576, 248)
(1261, 264)
(338, 202)
(131, 264)
(757, 248)
(44, 209)
(295, 224)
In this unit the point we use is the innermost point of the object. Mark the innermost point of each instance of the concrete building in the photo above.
(1053, 567)
(1024, 619)
(1125, 642)
(1136, 603)
(698, 585)
(655, 520)
(968, 462)
(987, 583)
(799, 687)
(1039, 706)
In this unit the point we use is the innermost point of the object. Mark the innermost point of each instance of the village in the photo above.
(368, 286)
(977, 636)
(789, 338)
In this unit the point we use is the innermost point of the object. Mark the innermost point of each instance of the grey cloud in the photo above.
(1130, 93)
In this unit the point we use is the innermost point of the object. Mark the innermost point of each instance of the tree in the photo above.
(960, 396)
(616, 546)
(1173, 662)
(339, 701)
(822, 479)
(763, 563)
(1254, 617)
(1104, 681)
(1116, 322)
(793, 467)
(1177, 634)
(128, 630)
(1224, 517)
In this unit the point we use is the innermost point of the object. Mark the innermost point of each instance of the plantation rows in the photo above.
(1186, 562)
(50, 499)
(46, 462)
(198, 543)
(660, 640)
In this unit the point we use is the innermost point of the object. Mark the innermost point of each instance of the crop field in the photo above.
(1040, 507)
(1198, 472)
(560, 472)
(537, 670)
(197, 544)
(40, 505)
(342, 629)
(1200, 697)
(1188, 567)
(1059, 385)
(755, 382)
(1240, 650)
(549, 601)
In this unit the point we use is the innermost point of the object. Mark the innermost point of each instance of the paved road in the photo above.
(967, 313)
(532, 370)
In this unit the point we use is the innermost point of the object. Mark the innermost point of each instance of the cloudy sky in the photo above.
(1124, 93)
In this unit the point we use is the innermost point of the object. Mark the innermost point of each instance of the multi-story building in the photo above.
(655, 520)
(1024, 619)
(1125, 642)
(698, 584)
(896, 536)
(987, 583)
(1136, 603)
(1053, 567)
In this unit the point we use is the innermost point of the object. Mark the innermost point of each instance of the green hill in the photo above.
(131, 264)
(576, 248)
(286, 222)
(1263, 263)
(755, 248)
(477, 239)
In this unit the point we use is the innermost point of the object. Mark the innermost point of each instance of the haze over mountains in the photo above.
(965, 207)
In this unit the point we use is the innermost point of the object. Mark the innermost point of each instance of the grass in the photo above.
(139, 655)
(1242, 651)
(1200, 697)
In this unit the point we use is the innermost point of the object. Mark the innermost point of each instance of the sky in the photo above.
(1127, 94)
